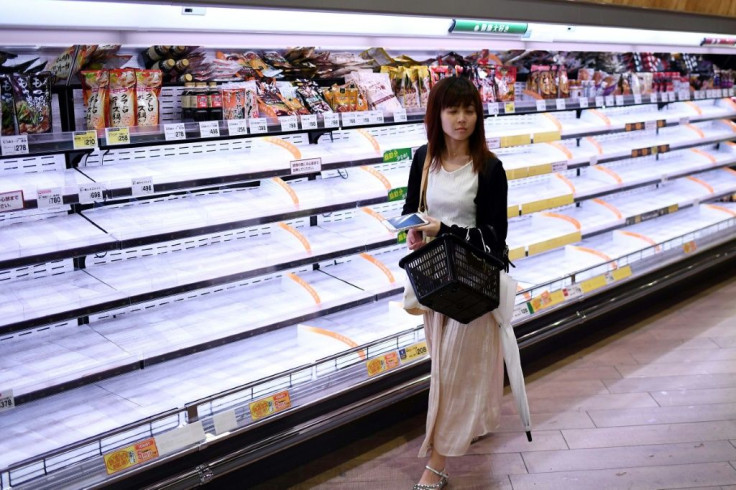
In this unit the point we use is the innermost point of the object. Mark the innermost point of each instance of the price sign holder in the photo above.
(610, 101)
(509, 108)
(49, 197)
(117, 136)
(492, 109)
(331, 120)
(209, 129)
(258, 125)
(561, 105)
(350, 119)
(653, 98)
(11, 201)
(309, 121)
(84, 140)
(237, 127)
(7, 400)
(494, 142)
(637, 98)
(89, 193)
(306, 166)
(289, 123)
(175, 132)
(14, 145)
(599, 101)
(142, 186)
(583, 102)
(619, 100)
(541, 105)
(400, 115)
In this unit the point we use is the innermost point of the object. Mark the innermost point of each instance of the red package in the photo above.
(94, 90)
(122, 98)
(148, 92)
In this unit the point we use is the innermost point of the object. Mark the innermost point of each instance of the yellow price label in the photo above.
(117, 136)
(270, 405)
(132, 455)
(382, 363)
(413, 352)
(510, 108)
(84, 140)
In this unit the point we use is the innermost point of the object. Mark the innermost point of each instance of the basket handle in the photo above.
(486, 248)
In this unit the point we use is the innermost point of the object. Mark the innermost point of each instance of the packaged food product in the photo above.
(275, 59)
(7, 106)
(61, 67)
(293, 102)
(148, 92)
(505, 77)
(233, 102)
(270, 101)
(486, 82)
(409, 89)
(377, 90)
(563, 85)
(311, 96)
(437, 73)
(423, 84)
(32, 96)
(95, 84)
(645, 83)
(122, 98)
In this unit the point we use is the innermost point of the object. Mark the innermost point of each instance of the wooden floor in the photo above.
(651, 406)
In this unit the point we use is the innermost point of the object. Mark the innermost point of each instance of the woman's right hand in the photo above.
(414, 239)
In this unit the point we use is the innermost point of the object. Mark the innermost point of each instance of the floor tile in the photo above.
(674, 369)
(662, 415)
(567, 404)
(684, 355)
(695, 396)
(683, 382)
(548, 421)
(649, 478)
(545, 388)
(650, 434)
(542, 440)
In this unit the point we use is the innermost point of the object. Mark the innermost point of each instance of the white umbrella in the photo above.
(503, 315)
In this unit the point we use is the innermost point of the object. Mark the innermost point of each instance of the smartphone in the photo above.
(405, 222)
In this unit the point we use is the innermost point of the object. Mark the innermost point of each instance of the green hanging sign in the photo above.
(397, 155)
(488, 27)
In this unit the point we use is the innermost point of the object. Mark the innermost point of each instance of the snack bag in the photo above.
(270, 101)
(423, 84)
(310, 95)
(289, 93)
(233, 102)
(409, 89)
(563, 83)
(32, 96)
(437, 73)
(122, 98)
(148, 92)
(94, 90)
(505, 77)
(486, 83)
(7, 106)
(376, 88)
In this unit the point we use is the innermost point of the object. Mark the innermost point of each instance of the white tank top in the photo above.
(450, 195)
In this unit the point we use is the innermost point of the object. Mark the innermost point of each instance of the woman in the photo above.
(466, 188)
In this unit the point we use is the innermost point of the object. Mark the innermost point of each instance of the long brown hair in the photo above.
(455, 92)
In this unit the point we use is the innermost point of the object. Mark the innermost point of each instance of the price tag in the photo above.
(306, 166)
(594, 160)
(684, 95)
(135, 454)
(48, 198)
(258, 125)
(84, 140)
(14, 145)
(573, 291)
(11, 201)
(7, 400)
(237, 127)
(509, 108)
(400, 115)
(653, 98)
(349, 119)
(583, 102)
(209, 129)
(382, 363)
(684, 121)
(309, 121)
(364, 117)
(560, 104)
(493, 143)
(599, 101)
(270, 405)
(289, 123)
(331, 120)
(91, 193)
(117, 136)
(559, 166)
(724, 93)
(670, 97)
(413, 352)
(609, 100)
(142, 186)
(619, 100)
(174, 132)
(375, 117)
(492, 109)
(541, 105)
(650, 125)
(637, 98)
(521, 311)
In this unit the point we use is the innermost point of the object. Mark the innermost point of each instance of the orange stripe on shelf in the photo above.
(703, 183)
(334, 335)
(730, 124)
(610, 207)
(598, 253)
(297, 235)
(730, 170)
(722, 209)
(567, 182)
(379, 176)
(730, 102)
(284, 144)
(639, 236)
(554, 120)
(569, 219)
(371, 212)
(307, 286)
(527, 295)
(595, 143)
(533, 95)
(695, 107)
(610, 172)
(601, 115)
(705, 154)
(380, 265)
(373, 141)
(562, 148)
(730, 143)
(287, 188)
(696, 129)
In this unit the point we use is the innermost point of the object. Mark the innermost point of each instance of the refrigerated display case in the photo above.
(186, 302)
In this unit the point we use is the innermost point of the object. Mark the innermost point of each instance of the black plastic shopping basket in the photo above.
(454, 278)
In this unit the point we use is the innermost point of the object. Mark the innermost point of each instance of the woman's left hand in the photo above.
(432, 229)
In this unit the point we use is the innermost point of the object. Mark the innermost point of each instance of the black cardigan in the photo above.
(490, 202)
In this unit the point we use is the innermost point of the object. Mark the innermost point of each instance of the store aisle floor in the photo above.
(650, 406)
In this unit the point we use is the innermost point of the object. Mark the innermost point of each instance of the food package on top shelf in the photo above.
(486, 83)
(645, 83)
(437, 73)
(547, 83)
(311, 97)
(532, 81)
(122, 98)
(377, 90)
(7, 106)
(95, 85)
(345, 98)
(379, 56)
(239, 100)
(67, 64)
(505, 78)
(409, 89)
(32, 96)
(563, 84)
(423, 83)
(102, 56)
(270, 101)
(289, 93)
(148, 94)
(275, 60)
(406, 61)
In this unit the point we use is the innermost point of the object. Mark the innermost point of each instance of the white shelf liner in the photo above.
(67, 182)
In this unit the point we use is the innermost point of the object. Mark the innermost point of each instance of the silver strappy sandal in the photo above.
(434, 486)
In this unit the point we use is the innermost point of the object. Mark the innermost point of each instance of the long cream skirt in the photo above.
(466, 384)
